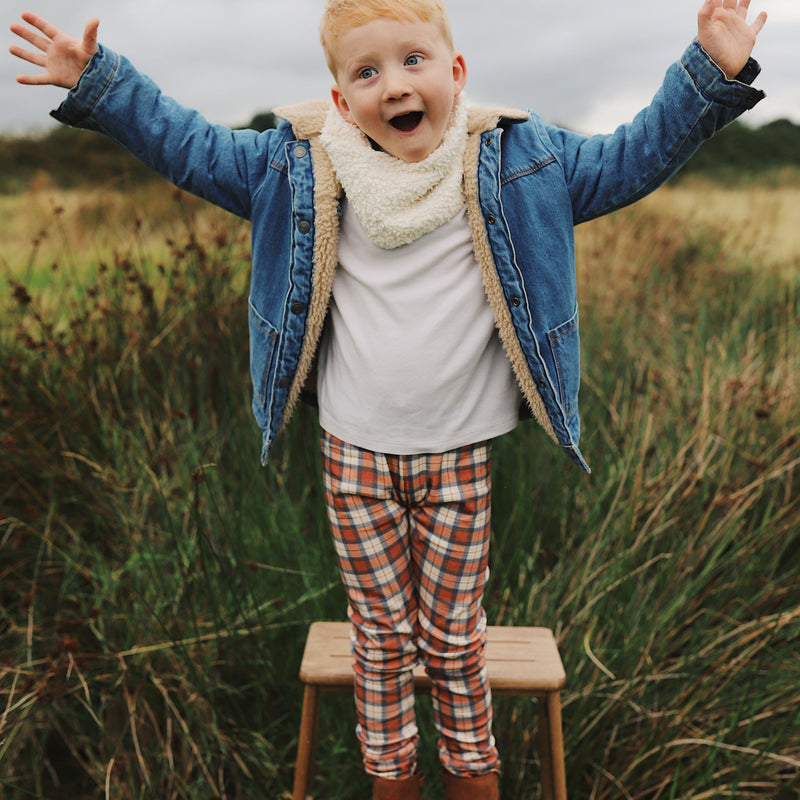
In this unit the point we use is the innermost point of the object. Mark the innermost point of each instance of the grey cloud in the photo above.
(578, 62)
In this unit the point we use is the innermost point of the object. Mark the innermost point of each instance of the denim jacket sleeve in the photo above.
(212, 161)
(607, 172)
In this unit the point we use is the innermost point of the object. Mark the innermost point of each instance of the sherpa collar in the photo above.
(424, 194)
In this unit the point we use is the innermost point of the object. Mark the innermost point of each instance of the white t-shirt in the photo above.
(410, 361)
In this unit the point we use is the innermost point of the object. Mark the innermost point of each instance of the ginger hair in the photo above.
(342, 15)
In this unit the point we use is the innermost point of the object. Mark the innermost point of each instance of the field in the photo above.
(157, 583)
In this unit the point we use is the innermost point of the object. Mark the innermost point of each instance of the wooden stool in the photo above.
(520, 661)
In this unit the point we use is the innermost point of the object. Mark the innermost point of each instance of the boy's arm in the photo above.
(107, 94)
(703, 92)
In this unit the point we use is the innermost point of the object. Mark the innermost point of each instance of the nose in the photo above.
(395, 84)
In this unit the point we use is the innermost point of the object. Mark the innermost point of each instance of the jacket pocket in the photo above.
(263, 337)
(565, 348)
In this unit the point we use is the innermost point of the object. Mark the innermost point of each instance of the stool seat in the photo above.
(519, 661)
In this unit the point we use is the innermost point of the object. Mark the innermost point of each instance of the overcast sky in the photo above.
(580, 63)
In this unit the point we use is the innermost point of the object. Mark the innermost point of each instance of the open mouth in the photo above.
(407, 122)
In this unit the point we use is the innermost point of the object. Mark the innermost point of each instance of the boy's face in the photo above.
(398, 81)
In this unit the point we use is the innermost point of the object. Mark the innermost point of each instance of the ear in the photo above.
(459, 73)
(342, 106)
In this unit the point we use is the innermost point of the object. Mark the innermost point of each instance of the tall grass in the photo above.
(157, 583)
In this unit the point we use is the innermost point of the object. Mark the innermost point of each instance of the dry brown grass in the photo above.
(760, 221)
(75, 228)
(155, 583)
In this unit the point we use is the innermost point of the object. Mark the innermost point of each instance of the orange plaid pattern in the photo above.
(411, 535)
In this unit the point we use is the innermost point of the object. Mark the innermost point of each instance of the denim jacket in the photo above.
(527, 184)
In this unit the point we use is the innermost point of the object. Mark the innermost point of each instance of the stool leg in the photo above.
(307, 743)
(550, 721)
(545, 749)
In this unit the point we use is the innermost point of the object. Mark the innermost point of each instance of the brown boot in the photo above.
(402, 789)
(483, 787)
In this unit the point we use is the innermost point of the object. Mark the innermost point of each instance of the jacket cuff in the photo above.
(91, 85)
(711, 80)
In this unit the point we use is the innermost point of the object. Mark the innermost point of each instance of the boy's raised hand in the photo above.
(724, 33)
(62, 56)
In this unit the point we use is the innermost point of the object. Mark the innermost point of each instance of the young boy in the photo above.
(423, 251)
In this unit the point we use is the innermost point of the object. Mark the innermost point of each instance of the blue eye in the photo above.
(366, 73)
(412, 61)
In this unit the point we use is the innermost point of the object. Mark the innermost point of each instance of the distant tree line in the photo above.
(748, 152)
(68, 158)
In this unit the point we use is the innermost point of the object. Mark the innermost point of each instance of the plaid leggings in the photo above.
(412, 538)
